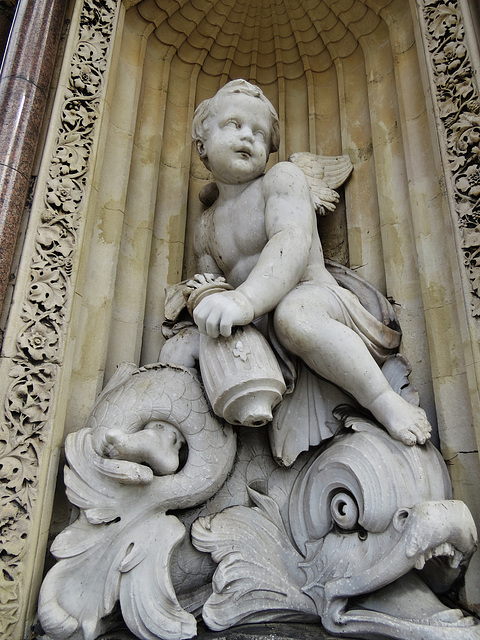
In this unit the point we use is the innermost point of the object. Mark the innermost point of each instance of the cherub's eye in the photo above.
(260, 133)
(234, 124)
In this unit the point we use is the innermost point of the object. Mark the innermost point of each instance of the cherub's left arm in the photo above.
(289, 225)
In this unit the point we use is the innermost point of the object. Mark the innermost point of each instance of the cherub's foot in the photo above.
(157, 445)
(403, 421)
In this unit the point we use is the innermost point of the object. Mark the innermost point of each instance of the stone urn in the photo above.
(240, 373)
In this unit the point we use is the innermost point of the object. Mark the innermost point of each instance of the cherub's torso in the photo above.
(233, 233)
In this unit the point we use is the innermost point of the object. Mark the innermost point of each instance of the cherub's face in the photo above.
(238, 143)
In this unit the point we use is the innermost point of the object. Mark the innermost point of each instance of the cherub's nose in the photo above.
(246, 133)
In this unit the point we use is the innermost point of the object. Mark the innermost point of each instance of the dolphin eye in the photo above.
(344, 510)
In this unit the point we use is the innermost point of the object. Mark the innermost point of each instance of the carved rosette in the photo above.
(40, 344)
(458, 105)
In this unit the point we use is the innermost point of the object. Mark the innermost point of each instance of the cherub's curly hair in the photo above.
(207, 109)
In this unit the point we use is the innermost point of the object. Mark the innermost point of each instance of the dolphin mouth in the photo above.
(399, 600)
(361, 623)
(407, 608)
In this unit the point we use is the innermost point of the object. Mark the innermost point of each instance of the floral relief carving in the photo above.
(40, 342)
(241, 351)
(459, 109)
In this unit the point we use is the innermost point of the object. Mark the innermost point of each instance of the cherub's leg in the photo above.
(306, 326)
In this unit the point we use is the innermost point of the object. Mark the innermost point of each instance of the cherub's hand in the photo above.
(216, 314)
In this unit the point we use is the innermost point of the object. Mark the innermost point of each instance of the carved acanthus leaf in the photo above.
(258, 576)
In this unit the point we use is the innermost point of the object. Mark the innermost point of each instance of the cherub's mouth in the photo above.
(245, 152)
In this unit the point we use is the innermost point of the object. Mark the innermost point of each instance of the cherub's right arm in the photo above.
(205, 261)
(219, 312)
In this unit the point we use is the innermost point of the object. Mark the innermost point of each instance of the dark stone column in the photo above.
(24, 83)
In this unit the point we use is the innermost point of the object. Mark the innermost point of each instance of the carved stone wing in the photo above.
(324, 175)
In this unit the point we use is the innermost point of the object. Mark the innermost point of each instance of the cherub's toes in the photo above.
(408, 438)
(421, 436)
(425, 431)
(423, 424)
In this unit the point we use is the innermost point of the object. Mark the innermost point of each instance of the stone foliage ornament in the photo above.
(345, 533)
(121, 546)
(39, 351)
(457, 101)
(350, 535)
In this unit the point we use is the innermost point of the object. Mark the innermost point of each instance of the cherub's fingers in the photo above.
(226, 324)
(200, 316)
(200, 322)
(212, 324)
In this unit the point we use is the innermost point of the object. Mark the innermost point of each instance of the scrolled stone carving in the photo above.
(338, 537)
(458, 104)
(361, 516)
(40, 343)
(121, 546)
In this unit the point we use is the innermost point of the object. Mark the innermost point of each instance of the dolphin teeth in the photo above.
(456, 559)
(442, 550)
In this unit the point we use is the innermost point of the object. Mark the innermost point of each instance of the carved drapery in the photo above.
(25, 430)
(458, 109)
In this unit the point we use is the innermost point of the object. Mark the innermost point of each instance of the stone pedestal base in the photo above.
(269, 631)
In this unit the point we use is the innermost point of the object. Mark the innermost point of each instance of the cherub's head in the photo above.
(213, 114)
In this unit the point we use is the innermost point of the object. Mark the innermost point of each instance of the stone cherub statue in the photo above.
(261, 235)
(181, 516)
